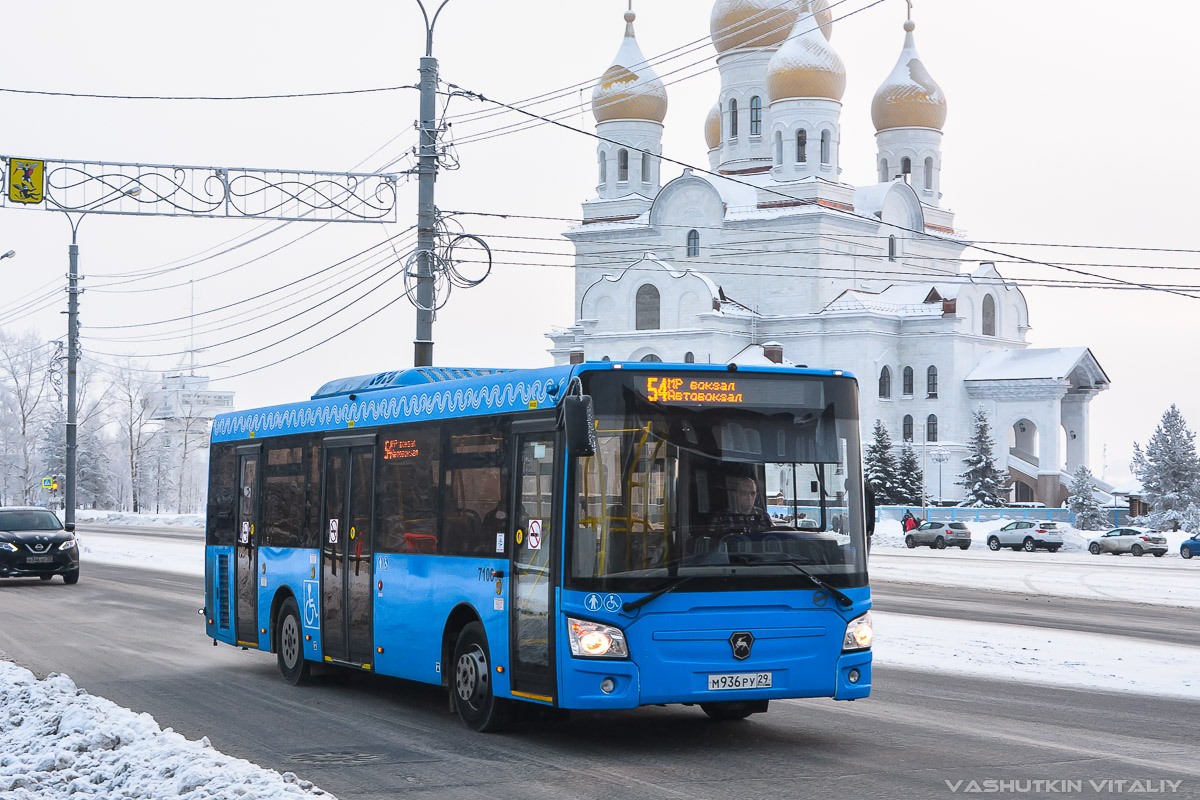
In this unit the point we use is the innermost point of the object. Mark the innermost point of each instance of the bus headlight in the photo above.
(596, 640)
(859, 633)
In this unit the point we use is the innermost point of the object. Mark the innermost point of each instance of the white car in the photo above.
(1027, 535)
(1136, 541)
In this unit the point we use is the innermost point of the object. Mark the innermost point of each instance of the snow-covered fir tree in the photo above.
(881, 467)
(1083, 503)
(910, 477)
(1169, 470)
(982, 481)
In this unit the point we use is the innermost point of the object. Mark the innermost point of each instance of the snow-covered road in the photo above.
(56, 739)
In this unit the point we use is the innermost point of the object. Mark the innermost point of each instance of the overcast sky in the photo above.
(1068, 123)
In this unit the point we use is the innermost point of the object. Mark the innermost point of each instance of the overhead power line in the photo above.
(843, 212)
(288, 96)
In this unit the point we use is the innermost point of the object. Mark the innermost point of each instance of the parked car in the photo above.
(33, 543)
(1190, 547)
(940, 535)
(1027, 535)
(1135, 541)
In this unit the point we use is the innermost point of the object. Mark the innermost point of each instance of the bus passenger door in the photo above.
(346, 553)
(531, 615)
(246, 546)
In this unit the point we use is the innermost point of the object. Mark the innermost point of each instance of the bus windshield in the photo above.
(731, 480)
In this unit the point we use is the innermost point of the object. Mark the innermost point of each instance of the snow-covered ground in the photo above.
(140, 520)
(56, 740)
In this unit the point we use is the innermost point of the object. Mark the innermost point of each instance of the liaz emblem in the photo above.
(26, 180)
(741, 644)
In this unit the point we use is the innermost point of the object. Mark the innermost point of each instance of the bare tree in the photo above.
(25, 384)
(133, 403)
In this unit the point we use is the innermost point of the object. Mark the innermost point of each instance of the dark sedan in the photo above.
(33, 543)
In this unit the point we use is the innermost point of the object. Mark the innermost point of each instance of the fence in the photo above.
(1116, 516)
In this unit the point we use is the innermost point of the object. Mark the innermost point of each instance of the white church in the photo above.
(775, 258)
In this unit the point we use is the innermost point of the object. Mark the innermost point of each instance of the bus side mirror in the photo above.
(869, 496)
(579, 423)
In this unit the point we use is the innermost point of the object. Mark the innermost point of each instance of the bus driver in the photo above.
(744, 514)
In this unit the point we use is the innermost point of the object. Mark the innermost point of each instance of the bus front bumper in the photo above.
(613, 684)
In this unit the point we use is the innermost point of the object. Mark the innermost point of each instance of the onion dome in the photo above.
(751, 23)
(820, 9)
(629, 89)
(712, 128)
(806, 65)
(909, 98)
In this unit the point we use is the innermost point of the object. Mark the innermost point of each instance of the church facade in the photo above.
(769, 256)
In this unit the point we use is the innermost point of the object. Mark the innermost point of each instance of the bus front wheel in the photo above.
(476, 703)
(290, 648)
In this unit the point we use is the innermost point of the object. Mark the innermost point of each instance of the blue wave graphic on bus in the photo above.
(374, 411)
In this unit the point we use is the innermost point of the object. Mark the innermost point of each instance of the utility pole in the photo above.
(72, 369)
(427, 165)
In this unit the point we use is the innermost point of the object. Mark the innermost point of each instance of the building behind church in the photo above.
(769, 256)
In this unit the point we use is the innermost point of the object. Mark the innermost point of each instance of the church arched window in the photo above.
(756, 116)
(646, 308)
(906, 167)
(603, 168)
(652, 359)
(931, 428)
(931, 382)
(693, 244)
(689, 357)
(908, 381)
(826, 147)
(646, 167)
(733, 120)
(929, 174)
(623, 165)
(885, 384)
(989, 315)
(892, 248)
(778, 148)
(884, 177)
(907, 428)
(801, 146)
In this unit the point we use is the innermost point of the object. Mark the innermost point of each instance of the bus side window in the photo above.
(311, 535)
(222, 495)
(283, 494)
(475, 492)
(406, 506)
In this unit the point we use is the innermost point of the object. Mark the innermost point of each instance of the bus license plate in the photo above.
(39, 559)
(745, 680)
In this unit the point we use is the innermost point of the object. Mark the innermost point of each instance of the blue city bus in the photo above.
(593, 536)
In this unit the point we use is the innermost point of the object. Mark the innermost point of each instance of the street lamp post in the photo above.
(940, 455)
(427, 165)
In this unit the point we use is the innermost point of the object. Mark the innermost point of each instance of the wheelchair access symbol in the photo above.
(310, 603)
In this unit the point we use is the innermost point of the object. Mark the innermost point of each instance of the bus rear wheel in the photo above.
(476, 703)
(733, 711)
(290, 648)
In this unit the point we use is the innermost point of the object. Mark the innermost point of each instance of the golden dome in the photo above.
(909, 97)
(712, 128)
(751, 23)
(629, 89)
(820, 9)
(806, 65)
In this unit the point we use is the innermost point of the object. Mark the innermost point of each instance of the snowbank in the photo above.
(1036, 655)
(146, 520)
(56, 740)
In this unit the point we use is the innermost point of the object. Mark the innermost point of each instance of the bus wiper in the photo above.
(745, 558)
(671, 585)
